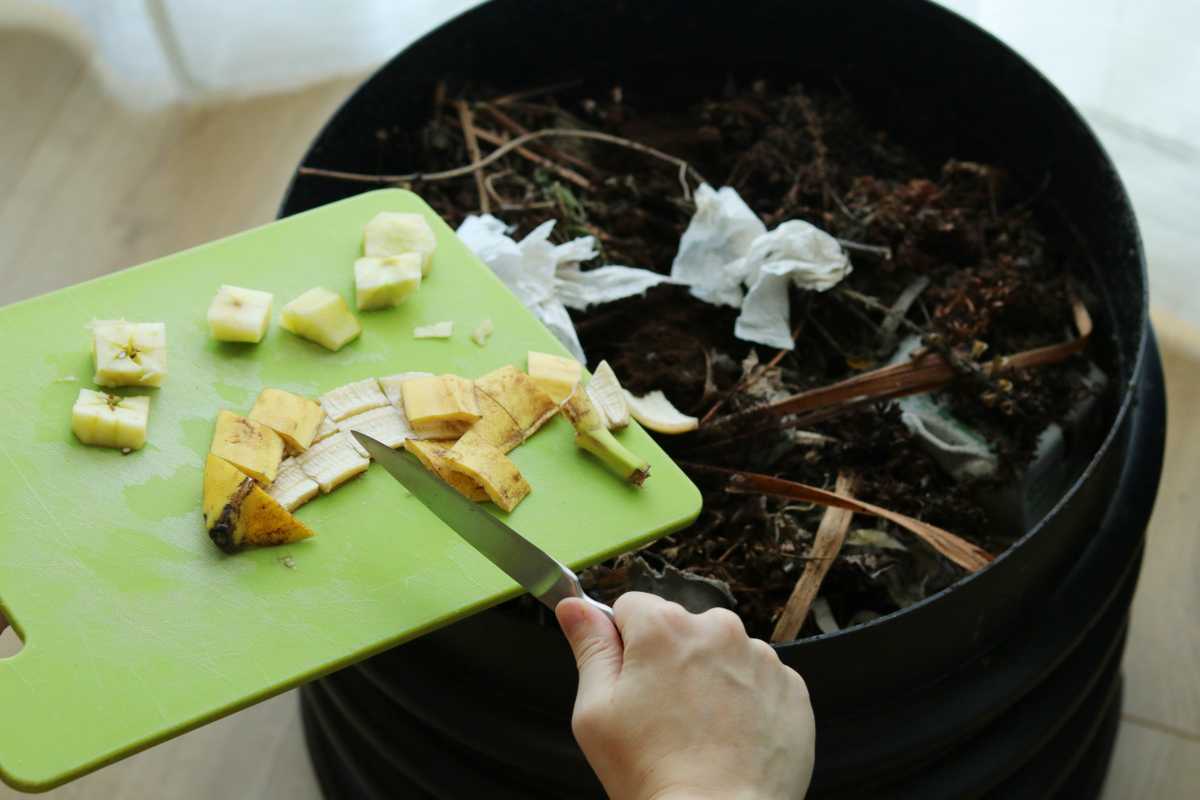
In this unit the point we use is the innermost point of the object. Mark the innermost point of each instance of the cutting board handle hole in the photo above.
(10, 643)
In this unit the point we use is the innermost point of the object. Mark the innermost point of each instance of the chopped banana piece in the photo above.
(328, 428)
(438, 330)
(296, 419)
(385, 282)
(483, 331)
(333, 461)
(239, 315)
(110, 421)
(498, 475)
(517, 394)
(495, 427)
(606, 394)
(353, 398)
(442, 398)
(432, 454)
(384, 424)
(556, 375)
(321, 316)
(656, 413)
(391, 385)
(291, 487)
(238, 513)
(593, 435)
(391, 233)
(129, 353)
(250, 446)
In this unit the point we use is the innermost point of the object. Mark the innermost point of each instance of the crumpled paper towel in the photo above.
(727, 246)
(546, 278)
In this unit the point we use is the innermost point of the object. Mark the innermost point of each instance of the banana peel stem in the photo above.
(614, 455)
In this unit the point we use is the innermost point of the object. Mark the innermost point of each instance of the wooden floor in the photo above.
(87, 187)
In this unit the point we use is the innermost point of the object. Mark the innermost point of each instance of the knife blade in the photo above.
(537, 571)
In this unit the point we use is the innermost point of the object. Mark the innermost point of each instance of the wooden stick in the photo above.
(685, 169)
(827, 543)
(517, 129)
(563, 172)
(969, 556)
(468, 128)
(525, 94)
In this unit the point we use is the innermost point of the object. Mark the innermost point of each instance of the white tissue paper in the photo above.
(726, 247)
(720, 233)
(546, 278)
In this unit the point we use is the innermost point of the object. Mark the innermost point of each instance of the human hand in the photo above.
(681, 705)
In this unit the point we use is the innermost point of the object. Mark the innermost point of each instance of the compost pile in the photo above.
(952, 250)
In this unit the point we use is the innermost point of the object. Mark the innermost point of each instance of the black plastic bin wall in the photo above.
(925, 685)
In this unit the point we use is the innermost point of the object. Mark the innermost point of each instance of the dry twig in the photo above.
(563, 172)
(827, 543)
(466, 119)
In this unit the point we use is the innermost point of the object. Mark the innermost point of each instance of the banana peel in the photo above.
(592, 434)
(494, 427)
(557, 376)
(296, 419)
(238, 513)
(490, 468)
(250, 446)
(441, 398)
(432, 455)
(516, 393)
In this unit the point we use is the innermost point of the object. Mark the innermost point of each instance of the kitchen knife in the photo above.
(541, 575)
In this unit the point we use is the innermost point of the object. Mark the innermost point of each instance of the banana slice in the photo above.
(291, 487)
(353, 398)
(250, 446)
(333, 461)
(608, 397)
(129, 353)
(107, 420)
(390, 233)
(328, 428)
(321, 316)
(656, 413)
(385, 282)
(438, 330)
(385, 424)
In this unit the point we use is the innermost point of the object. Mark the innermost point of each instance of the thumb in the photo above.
(594, 640)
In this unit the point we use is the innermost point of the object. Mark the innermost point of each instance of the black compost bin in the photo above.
(1005, 683)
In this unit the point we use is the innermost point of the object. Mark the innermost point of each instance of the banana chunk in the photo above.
(239, 315)
(129, 353)
(442, 398)
(436, 330)
(384, 424)
(238, 513)
(606, 394)
(333, 461)
(432, 454)
(385, 282)
(291, 487)
(296, 419)
(656, 413)
(499, 476)
(391, 233)
(321, 316)
(250, 446)
(517, 394)
(353, 398)
(556, 375)
(107, 420)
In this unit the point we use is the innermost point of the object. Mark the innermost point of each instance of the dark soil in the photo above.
(998, 271)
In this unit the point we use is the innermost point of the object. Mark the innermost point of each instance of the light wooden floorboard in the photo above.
(87, 187)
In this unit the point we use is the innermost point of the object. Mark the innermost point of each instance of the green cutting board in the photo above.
(136, 627)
